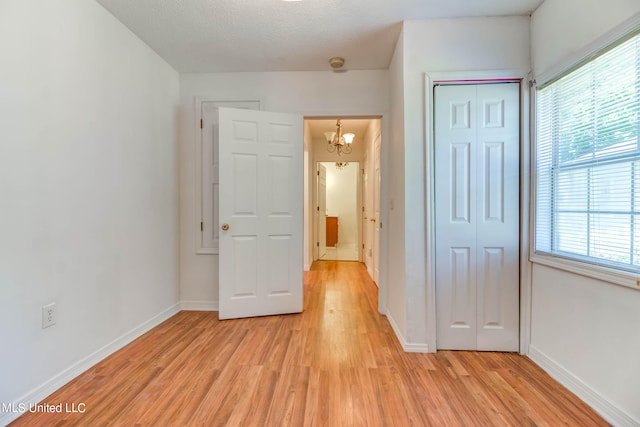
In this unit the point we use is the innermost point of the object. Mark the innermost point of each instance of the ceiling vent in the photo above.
(336, 62)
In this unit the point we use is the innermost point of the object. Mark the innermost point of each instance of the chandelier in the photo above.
(336, 141)
(341, 165)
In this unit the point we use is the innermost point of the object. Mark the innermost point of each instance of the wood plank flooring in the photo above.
(336, 364)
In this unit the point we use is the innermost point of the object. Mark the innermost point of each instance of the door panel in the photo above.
(499, 217)
(494, 182)
(245, 257)
(261, 202)
(455, 220)
(279, 265)
(477, 216)
(280, 168)
(462, 298)
(460, 183)
(245, 187)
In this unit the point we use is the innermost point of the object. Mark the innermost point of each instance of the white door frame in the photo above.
(525, 266)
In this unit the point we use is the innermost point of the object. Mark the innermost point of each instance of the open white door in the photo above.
(322, 211)
(261, 213)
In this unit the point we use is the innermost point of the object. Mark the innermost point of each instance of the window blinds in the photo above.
(588, 160)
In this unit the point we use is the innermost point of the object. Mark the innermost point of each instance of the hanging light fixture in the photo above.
(336, 141)
(341, 165)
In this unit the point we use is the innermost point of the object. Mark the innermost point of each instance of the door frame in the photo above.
(462, 77)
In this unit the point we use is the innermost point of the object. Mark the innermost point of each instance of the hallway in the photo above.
(336, 364)
(341, 252)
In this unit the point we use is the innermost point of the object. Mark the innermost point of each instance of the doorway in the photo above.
(338, 214)
(477, 181)
(366, 155)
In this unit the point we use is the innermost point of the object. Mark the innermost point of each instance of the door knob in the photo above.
(225, 227)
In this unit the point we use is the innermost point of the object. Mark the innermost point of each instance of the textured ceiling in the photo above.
(275, 35)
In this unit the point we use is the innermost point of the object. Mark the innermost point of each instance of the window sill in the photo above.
(610, 275)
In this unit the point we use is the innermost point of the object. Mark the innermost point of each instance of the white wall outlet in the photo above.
(49, 315)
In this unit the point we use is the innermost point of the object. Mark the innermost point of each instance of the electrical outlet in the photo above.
(49, 315)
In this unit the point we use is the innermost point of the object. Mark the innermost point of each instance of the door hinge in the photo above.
(380, 225)
(363, 209)
(318, 208)
(318, 173)
(318, 244)
(363, 246)
(202, 226)
(201, 124)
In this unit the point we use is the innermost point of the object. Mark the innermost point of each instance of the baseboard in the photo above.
(406, 346)
(199, 305)
(41, 392)
(608, 410)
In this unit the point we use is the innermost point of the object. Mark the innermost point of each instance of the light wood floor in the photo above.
(336, 364)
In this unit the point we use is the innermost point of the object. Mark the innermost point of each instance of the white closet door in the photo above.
(477, 216)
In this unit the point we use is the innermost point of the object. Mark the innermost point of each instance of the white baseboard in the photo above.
(41, 392)
(199, 305)
(608, 410)
(408, 347)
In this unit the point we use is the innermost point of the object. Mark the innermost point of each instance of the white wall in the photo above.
(552, 40)
(584, 331)
(343, 201)
(88, 190)
(441, 45)
(308, 93)
(395, 226)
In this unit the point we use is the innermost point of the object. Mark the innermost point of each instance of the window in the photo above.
(588, 160)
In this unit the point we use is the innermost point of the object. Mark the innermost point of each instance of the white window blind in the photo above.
(588, 160)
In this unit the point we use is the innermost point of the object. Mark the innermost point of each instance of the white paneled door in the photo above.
(260, 213)
(477, 140)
